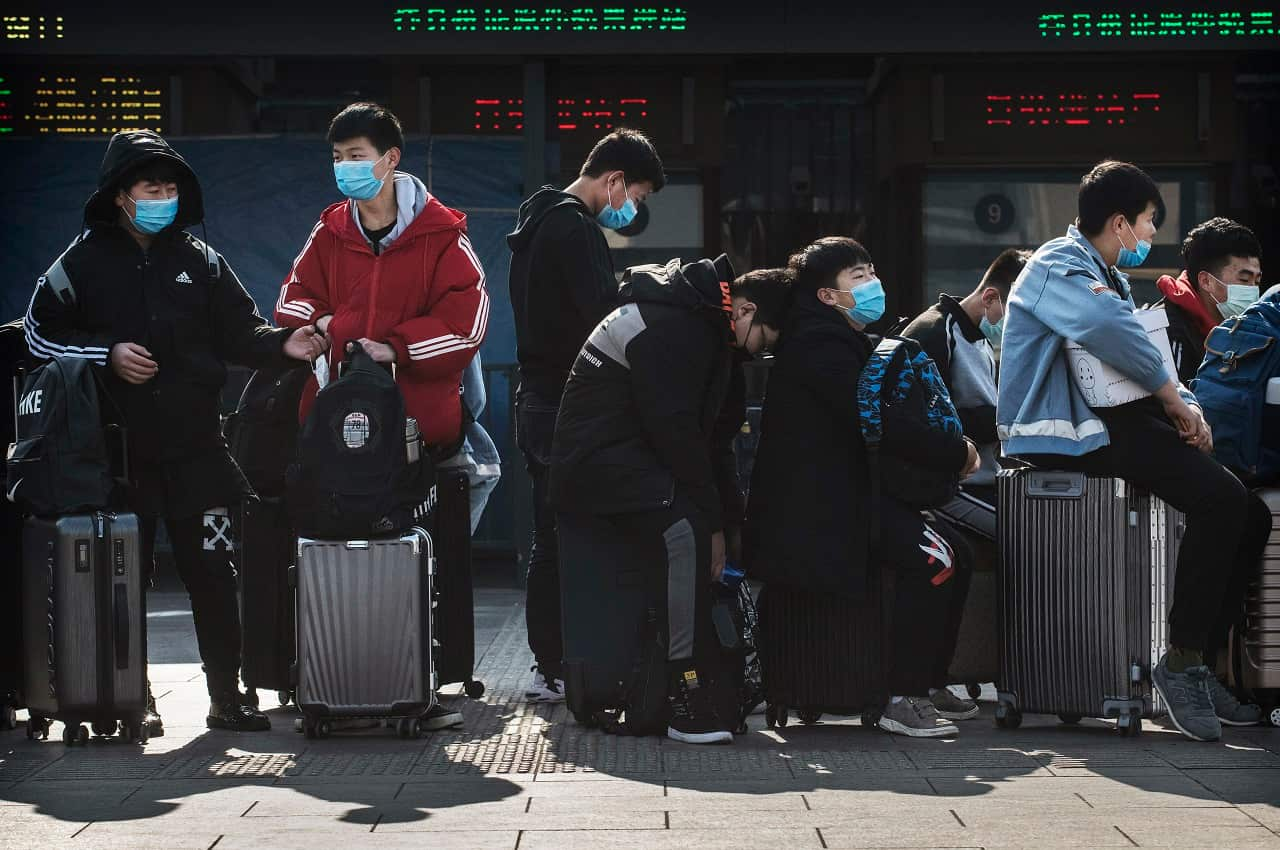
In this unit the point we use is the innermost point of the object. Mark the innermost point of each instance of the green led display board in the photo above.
(1153, 23)
(535, 19)
(6, 106)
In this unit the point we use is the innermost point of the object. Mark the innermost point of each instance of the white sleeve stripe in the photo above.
(290, 311)
(472, 341)
(30, 324)
(477, 330)
(293, 269)
(300, 307)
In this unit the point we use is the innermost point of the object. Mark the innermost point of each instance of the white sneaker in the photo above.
(543, 691)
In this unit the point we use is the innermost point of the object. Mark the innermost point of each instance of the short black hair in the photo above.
(376, 123)
(1113, 187)
(630, 152)
(1210, 245)
(769, 290)
(156, 170)
(817, 265)
(1004, 270)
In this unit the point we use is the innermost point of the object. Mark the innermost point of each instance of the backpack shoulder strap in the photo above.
(211, 258)
(56, 277)
(871, 389)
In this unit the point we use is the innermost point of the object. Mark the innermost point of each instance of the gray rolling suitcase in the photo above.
(85, 634)
(365, 631)
(1260, 655)
(1085, 581)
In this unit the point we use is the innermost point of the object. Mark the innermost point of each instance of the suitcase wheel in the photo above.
(1130, 725)
(406, 727)
(37, 727)
(105, 729)
(314, 728)
(1008, 717)
(9, 718)
(871, 718)
(1070, 718)
(474, 689)
(74, 733)
(285, 697)
(809, 717)
(973, 689)
(1274, 716)
(135, 731)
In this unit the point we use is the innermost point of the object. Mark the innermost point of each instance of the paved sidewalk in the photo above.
(527, 777)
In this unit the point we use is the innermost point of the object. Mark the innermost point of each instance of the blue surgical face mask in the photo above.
(1129, 259)
(151, 217)
(356, 180)
(993, 332)
(868, 302)
(1239, 297)
(617, 219)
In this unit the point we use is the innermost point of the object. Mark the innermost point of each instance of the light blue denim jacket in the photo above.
(1063, 294)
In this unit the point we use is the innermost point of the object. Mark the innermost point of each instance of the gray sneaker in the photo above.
(1229, 709)
(916, 717)
(951, 707)
(1187, 695)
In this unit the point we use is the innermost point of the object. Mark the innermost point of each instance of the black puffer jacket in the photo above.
(809, 516)
(182, 302)
(643, 410)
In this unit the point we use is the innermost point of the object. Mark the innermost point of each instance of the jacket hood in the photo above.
(702, 284)
(126, 152)
(418, 213)
(1180, 292)
(535, 209)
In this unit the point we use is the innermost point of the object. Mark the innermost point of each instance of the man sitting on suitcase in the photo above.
(165, 313)
(1071, 290)
(644, 437)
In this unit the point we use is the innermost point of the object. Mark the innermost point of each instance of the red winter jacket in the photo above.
(424, 295)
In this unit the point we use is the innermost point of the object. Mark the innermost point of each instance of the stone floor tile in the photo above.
(684, 839)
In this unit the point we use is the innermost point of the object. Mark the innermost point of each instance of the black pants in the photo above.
(1227, 526)
(202, 553)
(535, 427)
(932, 569)
(685, 557)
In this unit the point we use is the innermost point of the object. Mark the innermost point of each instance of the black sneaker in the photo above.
(232, 714)
(693, 719)
(441, 717)
(151, 717)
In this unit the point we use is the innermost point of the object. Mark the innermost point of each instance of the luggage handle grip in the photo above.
(1055, 485)
(357, 544)
(120, 626)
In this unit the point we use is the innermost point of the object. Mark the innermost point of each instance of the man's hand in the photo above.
(1203, 438)
(972, 460)
(306, 343)
(132, 363)
(379, 351)
(322, 323)
(717, 555)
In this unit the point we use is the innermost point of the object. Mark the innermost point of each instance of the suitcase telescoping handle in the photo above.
(1047, 484)
(120, 626)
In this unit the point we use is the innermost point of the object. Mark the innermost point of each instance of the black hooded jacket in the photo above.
(809, 516)
(562, 284)
(648, 407)
(181, 301)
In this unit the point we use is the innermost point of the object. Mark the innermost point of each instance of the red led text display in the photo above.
(1065, 109)
(506, 115)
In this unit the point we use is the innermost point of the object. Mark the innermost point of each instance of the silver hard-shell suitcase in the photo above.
(1085, 582)
(1260, 653)
(365, 631)
(85, 634)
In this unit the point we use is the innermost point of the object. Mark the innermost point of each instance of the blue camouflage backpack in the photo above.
(899, 374)
(1241, 355)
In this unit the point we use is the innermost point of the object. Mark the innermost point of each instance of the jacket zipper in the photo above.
(373, 296)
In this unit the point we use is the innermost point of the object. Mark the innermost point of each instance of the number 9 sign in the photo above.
(993, 214)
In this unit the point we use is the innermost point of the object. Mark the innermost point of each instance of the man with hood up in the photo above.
(163, 313)
(1222, 276)
(562, 284)
(644, 437)
(391, 269)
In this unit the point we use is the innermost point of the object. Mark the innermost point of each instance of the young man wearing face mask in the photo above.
(1071, 290)
(1223, 277)
(562, 284)
(163, 314)
(959, 335)
(809, 519)
(391, 269)
(644, 437)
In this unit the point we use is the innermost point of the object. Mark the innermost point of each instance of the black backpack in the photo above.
(59, 462)
(262, 434)
(352, 477)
